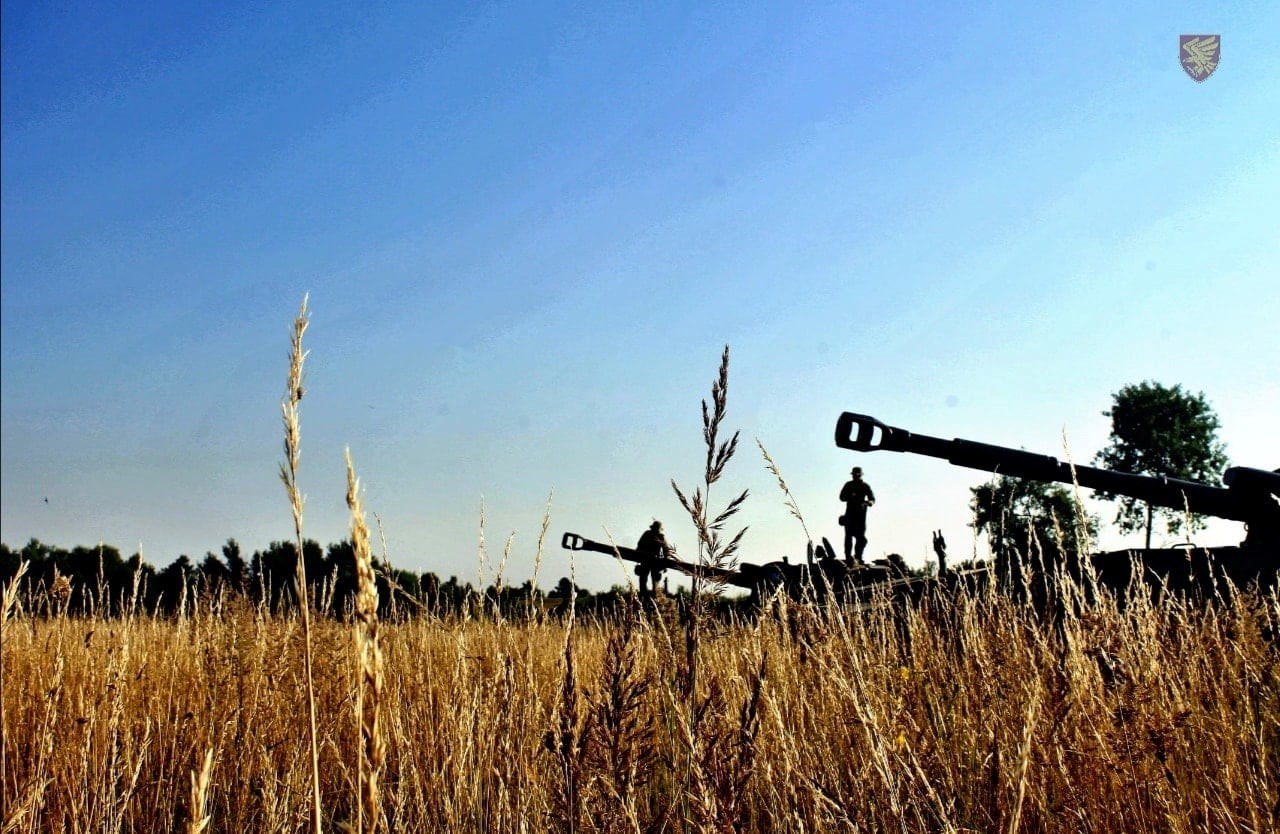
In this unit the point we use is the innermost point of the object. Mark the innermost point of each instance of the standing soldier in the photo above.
(857, 496)
(652, 545)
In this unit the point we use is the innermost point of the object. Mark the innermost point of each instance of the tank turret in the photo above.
(1250, 495)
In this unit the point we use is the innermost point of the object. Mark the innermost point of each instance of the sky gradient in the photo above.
(527, 231)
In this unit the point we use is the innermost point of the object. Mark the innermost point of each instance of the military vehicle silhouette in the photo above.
(1250, 496)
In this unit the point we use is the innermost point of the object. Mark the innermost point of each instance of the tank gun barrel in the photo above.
(1247, 499)
(740, 578)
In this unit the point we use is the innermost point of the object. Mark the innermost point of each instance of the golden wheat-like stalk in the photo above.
(197, 819)
(542, 537)
(10, 597)
(289, 475)
(11, 591)
(369, 693)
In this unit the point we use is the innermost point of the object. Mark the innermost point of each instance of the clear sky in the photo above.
(528, 229)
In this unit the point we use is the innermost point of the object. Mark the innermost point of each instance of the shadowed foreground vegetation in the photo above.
(971, 716)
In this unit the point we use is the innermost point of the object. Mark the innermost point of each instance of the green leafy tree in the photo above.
(1157, 430)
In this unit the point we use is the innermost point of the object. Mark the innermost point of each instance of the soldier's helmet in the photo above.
(656, 525)
(856, 471)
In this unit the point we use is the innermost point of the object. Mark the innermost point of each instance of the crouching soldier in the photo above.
(651, 547)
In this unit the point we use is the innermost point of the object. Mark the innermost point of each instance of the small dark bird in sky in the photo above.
(46, 500)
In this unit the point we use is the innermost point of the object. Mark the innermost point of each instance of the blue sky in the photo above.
(528, 229)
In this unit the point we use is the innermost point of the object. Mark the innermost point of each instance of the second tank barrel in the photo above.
(862, 433)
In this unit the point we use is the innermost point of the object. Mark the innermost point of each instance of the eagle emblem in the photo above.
(1199, 55)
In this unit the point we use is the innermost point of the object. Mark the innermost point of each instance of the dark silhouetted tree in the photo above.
(9, 562)
(1156, 430)
(340, 567)
(99, 582)
(1027, 521)
(272, 571)
(564, 588)
(173, 584)
(214, 576)
(237, 569)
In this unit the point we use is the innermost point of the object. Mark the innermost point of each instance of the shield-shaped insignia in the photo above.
(1199, 55)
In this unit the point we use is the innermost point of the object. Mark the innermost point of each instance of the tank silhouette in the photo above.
(1250, 496)
(821, 577)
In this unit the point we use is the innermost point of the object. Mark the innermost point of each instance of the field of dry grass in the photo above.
(965, 714)
(1146, 719)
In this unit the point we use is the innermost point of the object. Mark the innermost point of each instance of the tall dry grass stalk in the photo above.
(712, 551)
(197, 819)
(369, 689)
(7, 602)
(564, 739)
(718, 755)
(790, 501)
(542, 538)
(482, 550)
(10, 596)
(289, 475)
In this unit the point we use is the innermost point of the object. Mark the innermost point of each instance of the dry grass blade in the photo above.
(542, 537)
(710, 550)
(369, 693)
(11, 591)
(620, 727)
(782, 484)
(565, 740)
(289, 474)
(729, 511)
(1024, 760)
(197, 819)
(482, 554)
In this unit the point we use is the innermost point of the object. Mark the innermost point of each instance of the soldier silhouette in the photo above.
(857, 496)
(652, 546)
(940, 548)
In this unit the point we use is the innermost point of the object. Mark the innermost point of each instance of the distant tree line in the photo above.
(99, 580)
(1156, 430)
